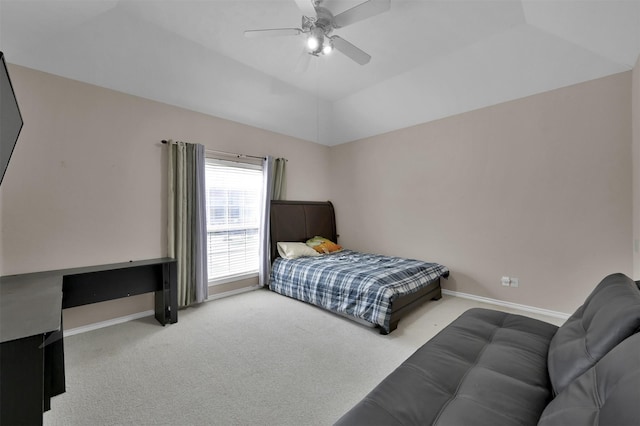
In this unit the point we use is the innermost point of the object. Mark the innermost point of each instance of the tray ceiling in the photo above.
(431, 59)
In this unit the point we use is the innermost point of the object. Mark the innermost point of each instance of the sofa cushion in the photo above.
(610, 314)
(606, 394)
(486, 368)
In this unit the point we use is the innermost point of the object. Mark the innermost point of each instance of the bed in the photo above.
(378, 290)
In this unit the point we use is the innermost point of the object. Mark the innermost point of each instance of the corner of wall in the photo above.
(1, 240)
(635, 119)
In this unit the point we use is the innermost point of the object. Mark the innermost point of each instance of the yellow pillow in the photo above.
(323, 245)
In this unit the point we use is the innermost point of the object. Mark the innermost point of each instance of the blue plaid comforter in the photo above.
(360, 285)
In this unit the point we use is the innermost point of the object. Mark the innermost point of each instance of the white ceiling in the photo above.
(431, 59)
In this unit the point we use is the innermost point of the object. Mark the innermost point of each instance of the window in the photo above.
(234, 196)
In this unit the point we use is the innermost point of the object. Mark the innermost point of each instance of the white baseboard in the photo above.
(232, 293)
(107, 323)
(526, 308)
(138, 315)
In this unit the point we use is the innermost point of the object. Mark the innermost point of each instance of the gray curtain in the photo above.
(265, 245)
(187, 228)
(279, 182)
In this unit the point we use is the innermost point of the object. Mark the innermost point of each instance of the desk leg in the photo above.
(54, 379)
(22, 381)
(172, 272)
(166, 300)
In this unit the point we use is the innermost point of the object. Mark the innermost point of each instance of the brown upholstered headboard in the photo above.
(301, 220)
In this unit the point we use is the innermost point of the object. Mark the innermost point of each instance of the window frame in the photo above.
(247, 164)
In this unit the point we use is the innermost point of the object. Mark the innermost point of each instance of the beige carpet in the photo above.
(257, 358)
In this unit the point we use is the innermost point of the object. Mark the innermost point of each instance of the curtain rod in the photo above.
(164, 141)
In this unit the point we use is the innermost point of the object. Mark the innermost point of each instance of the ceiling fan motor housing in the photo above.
(323, 20)
(319, 29)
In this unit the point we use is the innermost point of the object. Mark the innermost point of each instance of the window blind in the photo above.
(234, 194)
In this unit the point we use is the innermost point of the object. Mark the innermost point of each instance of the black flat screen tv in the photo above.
(10, 118)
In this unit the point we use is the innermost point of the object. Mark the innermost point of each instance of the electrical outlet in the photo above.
(515, 282)
(505, 281)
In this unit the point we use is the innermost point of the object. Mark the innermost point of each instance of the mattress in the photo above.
(359, 285)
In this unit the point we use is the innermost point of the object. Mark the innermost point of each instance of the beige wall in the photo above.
(86, 182)
(537, 188)
(636, 169)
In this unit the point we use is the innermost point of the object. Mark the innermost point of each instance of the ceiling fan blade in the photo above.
(362, 11)
(332, 5)
(307, 7)
(350, 50)
(275, 32)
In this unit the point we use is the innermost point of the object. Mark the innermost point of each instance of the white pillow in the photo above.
(295, 250)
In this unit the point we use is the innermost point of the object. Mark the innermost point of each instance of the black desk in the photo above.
(30, 315)
(82, 286)
(31, 343)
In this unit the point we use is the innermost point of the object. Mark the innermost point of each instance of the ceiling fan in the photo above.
(318, 23)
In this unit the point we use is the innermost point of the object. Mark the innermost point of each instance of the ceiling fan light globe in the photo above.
(316, 40)
(313, 43)
(327, 48)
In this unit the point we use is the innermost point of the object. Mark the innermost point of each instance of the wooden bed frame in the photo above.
(301, 220)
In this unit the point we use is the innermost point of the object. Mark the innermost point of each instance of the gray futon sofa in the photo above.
(493, 368)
